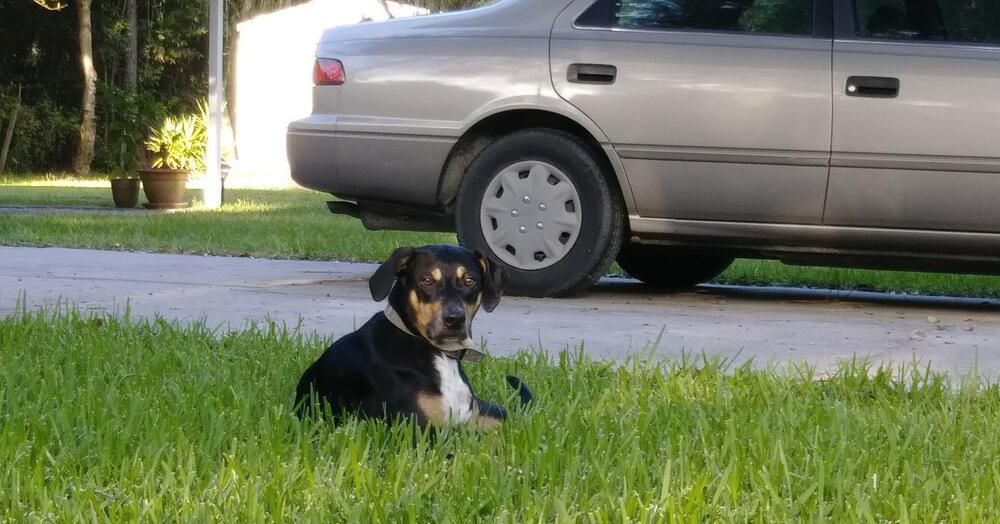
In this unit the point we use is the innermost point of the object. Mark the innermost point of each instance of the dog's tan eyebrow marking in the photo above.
(436, 273)
(460, 271)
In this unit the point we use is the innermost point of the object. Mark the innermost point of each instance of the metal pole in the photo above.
(212, 187)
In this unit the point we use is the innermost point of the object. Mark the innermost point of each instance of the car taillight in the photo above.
(328, 72)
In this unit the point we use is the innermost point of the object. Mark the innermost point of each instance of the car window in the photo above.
(792, 17)
(973, 21)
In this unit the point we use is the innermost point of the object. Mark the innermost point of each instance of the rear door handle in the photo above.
(873, 86)
(591, 73)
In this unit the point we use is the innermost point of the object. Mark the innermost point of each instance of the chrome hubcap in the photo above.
(530, 215)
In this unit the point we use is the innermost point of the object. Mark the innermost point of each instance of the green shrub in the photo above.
(122, 120)
(44, 133)
(449, 5)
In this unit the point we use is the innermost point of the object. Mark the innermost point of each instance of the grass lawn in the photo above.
(295, 224)
(110, 419)
(261, 223)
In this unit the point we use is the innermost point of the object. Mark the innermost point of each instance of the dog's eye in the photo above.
(426, 280)
(469, 282)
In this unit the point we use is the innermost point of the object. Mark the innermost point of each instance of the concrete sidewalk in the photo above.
(617, 318)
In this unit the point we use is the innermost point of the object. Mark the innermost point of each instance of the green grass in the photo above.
(51, 190)
(294, 223)
(107, 419)
(261, 223)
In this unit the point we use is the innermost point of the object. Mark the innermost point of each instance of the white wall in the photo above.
(274, 60)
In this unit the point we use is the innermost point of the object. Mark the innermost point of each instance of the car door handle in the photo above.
(873, 86)
(591, 73)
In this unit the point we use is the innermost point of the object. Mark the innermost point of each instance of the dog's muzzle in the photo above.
(457, 342)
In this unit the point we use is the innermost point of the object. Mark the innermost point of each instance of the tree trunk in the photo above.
(85, 145)
(388, 12)
(132, 60)
(132, 72)
(10, 132)
(230, 83)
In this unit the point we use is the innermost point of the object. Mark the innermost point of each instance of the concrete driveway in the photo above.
(617, 318)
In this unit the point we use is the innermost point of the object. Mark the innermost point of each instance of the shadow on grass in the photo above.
(766, 293)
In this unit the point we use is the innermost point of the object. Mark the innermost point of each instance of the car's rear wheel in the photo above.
(671, 267)
(539, 203)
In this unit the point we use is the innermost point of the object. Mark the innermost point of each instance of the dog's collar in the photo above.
(464, 352)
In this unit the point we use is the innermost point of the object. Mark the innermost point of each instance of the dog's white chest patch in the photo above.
(456, 396)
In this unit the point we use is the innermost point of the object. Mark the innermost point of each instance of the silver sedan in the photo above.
(557, 136)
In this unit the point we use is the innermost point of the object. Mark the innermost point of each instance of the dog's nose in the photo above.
(454, 320)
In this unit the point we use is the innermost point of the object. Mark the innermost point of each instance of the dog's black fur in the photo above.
(381, 371)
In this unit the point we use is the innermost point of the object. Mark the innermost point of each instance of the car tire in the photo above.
(669, 267)
(531, 180)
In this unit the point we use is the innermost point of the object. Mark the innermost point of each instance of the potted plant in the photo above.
(124, 189)
(176, 150)
(122, 147)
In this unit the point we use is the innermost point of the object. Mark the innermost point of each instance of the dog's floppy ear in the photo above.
(386, 275)
(494, 280)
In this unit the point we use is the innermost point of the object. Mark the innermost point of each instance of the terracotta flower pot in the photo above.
(165, 188)
(125, 191)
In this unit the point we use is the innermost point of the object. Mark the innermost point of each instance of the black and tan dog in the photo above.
(406, 361)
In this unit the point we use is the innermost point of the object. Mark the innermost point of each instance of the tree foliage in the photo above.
(448, 5)
(40, 53)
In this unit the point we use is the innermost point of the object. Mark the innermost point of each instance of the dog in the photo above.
(407, 361)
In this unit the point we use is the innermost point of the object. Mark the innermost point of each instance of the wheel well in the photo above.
(494, 126)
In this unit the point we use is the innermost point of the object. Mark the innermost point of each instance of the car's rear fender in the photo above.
(407, 102)
(413, 113)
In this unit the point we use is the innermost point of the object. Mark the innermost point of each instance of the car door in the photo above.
(916, 133)
(719, 109)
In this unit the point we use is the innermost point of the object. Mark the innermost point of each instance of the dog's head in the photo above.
(437, 290)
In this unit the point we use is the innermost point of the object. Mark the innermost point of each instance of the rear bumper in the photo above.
(312, 158)
(393, 168)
